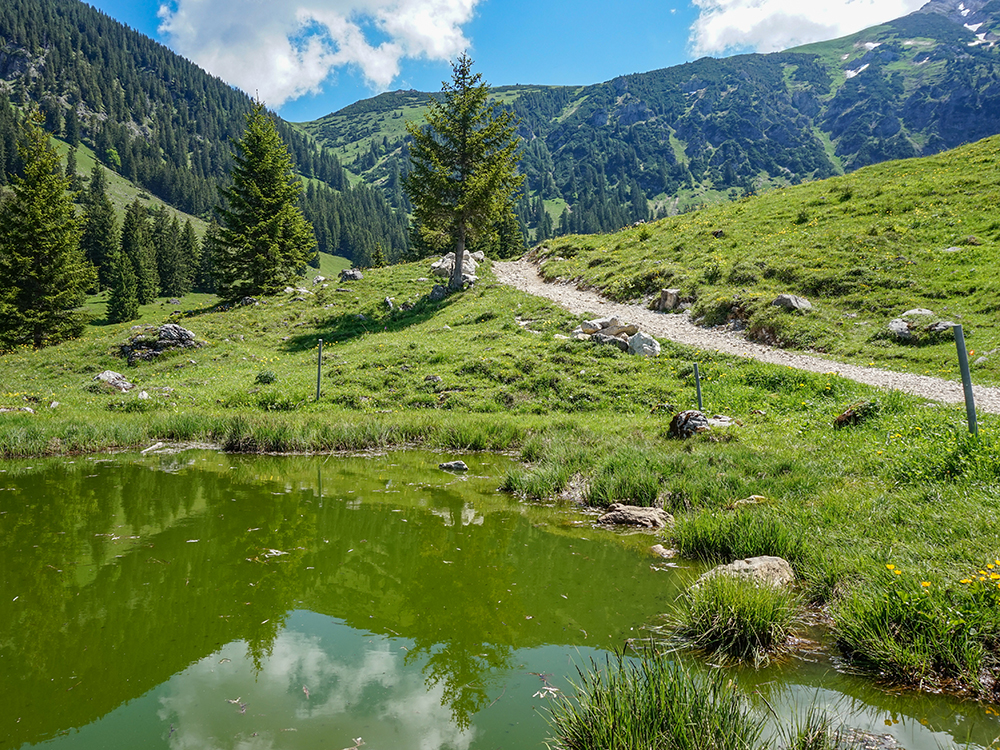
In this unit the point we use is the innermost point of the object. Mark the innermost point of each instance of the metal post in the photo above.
(697, 385)
(963, 364)
(319, 367)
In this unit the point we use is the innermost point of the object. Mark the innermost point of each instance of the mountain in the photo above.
(162, 122)
(599, 157)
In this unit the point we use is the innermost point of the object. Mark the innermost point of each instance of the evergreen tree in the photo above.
(45, 274)
(190, 252)
(204, 279)
(463, 180)
(137, 248)
(264, 240)
(378, 256)
(170, 262)
(100, 230)
(123, 302)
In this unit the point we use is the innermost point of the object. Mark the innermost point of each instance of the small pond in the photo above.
(204, 600)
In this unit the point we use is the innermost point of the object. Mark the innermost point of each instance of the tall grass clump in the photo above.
(736, 535)
(737, 619)
(653, 702)
(815, 731)
(631, 475)
(925, 634)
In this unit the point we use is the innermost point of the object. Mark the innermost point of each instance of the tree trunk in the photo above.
(456, 274)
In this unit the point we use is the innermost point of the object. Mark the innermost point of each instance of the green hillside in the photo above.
(667, 141)
(864, 248)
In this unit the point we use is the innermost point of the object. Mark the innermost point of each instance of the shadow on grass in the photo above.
(344, 327)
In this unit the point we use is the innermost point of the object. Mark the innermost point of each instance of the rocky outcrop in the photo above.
(912, 327)
(634, 515)
(612, 331)
(766, 570)
(351, 274)
(149, 342)
(113, 381)
(792, 302)
(445, 267)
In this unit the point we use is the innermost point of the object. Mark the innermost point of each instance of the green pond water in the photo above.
(202, 600)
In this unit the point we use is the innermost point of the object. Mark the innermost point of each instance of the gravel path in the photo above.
(523, 275)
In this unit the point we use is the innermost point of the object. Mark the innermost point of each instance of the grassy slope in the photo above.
(863, 248)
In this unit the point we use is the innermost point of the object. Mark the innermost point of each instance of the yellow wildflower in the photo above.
(890, 566)
(925, 584)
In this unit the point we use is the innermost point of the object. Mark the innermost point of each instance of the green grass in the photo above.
(739, 621)
(653, 703)
(906, 487)
(863, 248)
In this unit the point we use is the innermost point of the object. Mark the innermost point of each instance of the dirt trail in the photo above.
(523, 275)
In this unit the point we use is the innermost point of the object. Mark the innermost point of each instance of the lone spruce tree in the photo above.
(464, 178)
(44, 274)
(264, 241)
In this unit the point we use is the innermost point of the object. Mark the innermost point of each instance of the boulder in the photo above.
(643, 344)
(114, 381)
(446, 265)
(390, 303)
(670, 299)
(319, 280)
(688, 423)
(603, 338)
(351, 274)
(766, 570)
(917, 311)
(438, 293)
(453, 466)
(633, 515)
(149, 342)
(942, 326)
(900, 330)
(792, 302)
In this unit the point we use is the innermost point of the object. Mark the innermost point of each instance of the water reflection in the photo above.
(331, 599)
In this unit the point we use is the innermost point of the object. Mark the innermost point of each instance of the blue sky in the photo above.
(307, 58)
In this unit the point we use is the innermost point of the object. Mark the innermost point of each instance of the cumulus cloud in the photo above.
(771, 25)
(282, 50)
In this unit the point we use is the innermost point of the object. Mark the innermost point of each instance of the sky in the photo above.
(307, 58)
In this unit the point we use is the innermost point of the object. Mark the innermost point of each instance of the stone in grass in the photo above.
(792, 302)
(438, 293)
(660, 551)
(113, 381)
(634, 515)
(643, 344)
(453, 466)
(688, 423)
(766, 569)
(351, 274)
(900, 330)
(601, 338)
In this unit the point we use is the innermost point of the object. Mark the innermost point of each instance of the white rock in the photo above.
(644, 344)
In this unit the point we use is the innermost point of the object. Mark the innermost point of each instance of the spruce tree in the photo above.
(137, 248)
(45, 275)
(463, 181)
(264, 240)
(100, 229)
(190, 252)
(123, 302)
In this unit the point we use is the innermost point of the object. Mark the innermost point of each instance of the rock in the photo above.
(145, 344)
(432, 379)
(643, 344)
(173, 301)
(579, 335)
(12, 409)
(792, 302)
(670, 299)
(602, 338)
(942, 326)
(660, 551)
(247, 302)
(633, 515)
(900, 329)
(628, 329)
(916, 311)
(479, 256)
(438, 293)
(114, 380)
(856, 414)
(743, 502)
(952, 249)
(351, 274)
(766, 570)
(319, 280)
(446, 265)
(54, 404)
(688, 423)
(143, 395)
(721, 420)
(390, 303)
(454, 466)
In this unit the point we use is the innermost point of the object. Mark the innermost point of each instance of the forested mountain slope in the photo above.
(161, 121)
(664, 141)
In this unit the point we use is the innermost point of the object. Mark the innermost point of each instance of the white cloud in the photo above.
(771, 25)
(283, 50)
